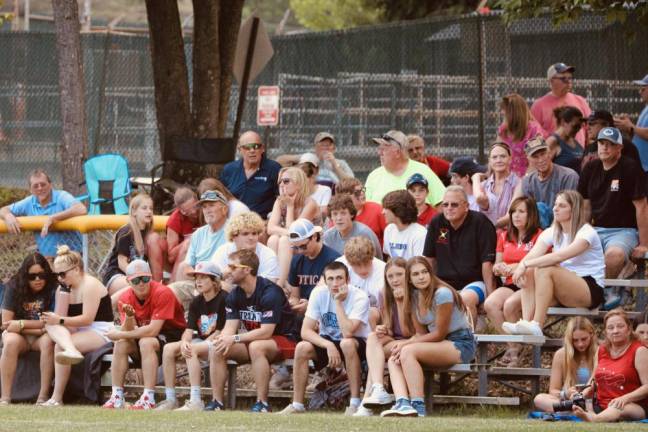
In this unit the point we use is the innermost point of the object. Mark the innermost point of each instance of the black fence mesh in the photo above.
(440, 78)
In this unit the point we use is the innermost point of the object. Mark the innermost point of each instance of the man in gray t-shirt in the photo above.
(342, 212)
(548, 179)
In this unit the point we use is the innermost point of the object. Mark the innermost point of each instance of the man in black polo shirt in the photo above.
(614, 189)
(460, 243)
(252, 178)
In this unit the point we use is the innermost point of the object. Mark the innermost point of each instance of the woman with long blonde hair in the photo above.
(137, 239)
(443, 337)
(292, 203)
(517, 128)
(572, 365)
(570, 275)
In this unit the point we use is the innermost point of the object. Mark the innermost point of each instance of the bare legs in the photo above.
(15, 344)
(281, 246)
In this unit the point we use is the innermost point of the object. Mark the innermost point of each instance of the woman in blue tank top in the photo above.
(572, 364)
(567, 151)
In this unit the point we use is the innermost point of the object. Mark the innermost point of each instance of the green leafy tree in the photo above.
(335, 14)
(569, 10)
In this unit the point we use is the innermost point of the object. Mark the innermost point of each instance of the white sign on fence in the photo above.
(268, 106)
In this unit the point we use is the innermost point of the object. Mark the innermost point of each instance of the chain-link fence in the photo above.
(14, 248)
(441, 78)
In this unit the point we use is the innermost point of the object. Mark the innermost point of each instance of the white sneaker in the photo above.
(192, 406)
(290, 409)
(514, 328)
(51, 403)
(363, 412)
(378, 398)
(68, 357)
(167, 405)
(350, 410)
(530, 328)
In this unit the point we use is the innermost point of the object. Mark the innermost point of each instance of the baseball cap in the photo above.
(212, 196)
(611, 134)
(310, 158)
(322, 136)
(417, 179)
(392, 137)
(557, 68)
(207, 268)
(534, 145)
(302, 229)
(466, 165)
(642, 82)
(137, 268)
(603, 115)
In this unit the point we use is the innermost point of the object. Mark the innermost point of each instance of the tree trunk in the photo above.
(74, 146)
(216, 26)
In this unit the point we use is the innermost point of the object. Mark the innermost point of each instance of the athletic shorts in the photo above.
(321, 356)
(479, 288)
(286, 347)
(596, 292)
(99, 327)
(165, 337)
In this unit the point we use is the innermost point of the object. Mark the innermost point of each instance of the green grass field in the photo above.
(70, 419)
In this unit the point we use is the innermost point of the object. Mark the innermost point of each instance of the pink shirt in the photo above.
(542, 111)
(519, 161)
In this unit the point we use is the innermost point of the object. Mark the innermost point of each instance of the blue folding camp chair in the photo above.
(108, 184)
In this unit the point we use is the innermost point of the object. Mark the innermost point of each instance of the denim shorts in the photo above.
(465, 343)
(625, 239)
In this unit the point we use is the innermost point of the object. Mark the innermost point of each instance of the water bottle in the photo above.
(62, 301)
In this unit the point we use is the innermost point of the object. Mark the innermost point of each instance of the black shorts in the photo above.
(596, 292)
(321, 357)
(165, 337)
(511, 286)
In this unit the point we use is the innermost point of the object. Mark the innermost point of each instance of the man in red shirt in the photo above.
(181, 224)
(416, 151)
(151, 316)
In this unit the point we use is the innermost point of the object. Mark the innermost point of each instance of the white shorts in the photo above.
(99, 327)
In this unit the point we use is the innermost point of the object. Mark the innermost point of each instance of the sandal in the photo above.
(510, 358)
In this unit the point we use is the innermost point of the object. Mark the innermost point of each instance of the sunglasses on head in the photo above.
(34, 276)
(61, 275)
(450, 204)
(252, 146)
(140, 279)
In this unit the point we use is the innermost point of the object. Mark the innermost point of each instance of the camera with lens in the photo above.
(577, 399)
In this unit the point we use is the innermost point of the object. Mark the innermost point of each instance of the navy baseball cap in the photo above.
(417, 179)
(611, 134)
(466, 165)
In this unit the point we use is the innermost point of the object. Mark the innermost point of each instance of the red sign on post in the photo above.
(268, 106)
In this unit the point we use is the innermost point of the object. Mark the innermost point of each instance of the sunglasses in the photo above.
(140, 279)
(285, 180)
(34, 276)
(235, 266)
(61, 275)
(451, 204)
(564, 79)
(252, 146)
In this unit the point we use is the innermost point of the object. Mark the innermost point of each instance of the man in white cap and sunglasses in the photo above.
(396, 168)
(151, 317)
(560, 77)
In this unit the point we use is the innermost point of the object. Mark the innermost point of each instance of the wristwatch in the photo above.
(61, 320)
(237, 338)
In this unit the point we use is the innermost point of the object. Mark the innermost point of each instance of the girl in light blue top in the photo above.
(572, 364)
(443, 337)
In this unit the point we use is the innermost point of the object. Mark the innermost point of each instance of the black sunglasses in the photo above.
(140, 279)
(451, 204)
(61, 275)
(34, 276)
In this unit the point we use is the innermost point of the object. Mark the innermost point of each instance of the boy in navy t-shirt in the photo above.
(308, 262)
(260, 328)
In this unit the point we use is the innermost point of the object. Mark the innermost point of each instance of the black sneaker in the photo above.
(260, 407)
(214, 406)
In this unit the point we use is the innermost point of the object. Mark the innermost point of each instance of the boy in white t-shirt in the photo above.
(403, 237)
(342, 313)
(365, 272)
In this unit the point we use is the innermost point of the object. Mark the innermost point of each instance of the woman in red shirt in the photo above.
(621, 375)
(513, 244)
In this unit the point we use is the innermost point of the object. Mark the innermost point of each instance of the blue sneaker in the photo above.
(402, 408)
(260, 407)
(214, 406)
(613, 298)
(419, 406)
